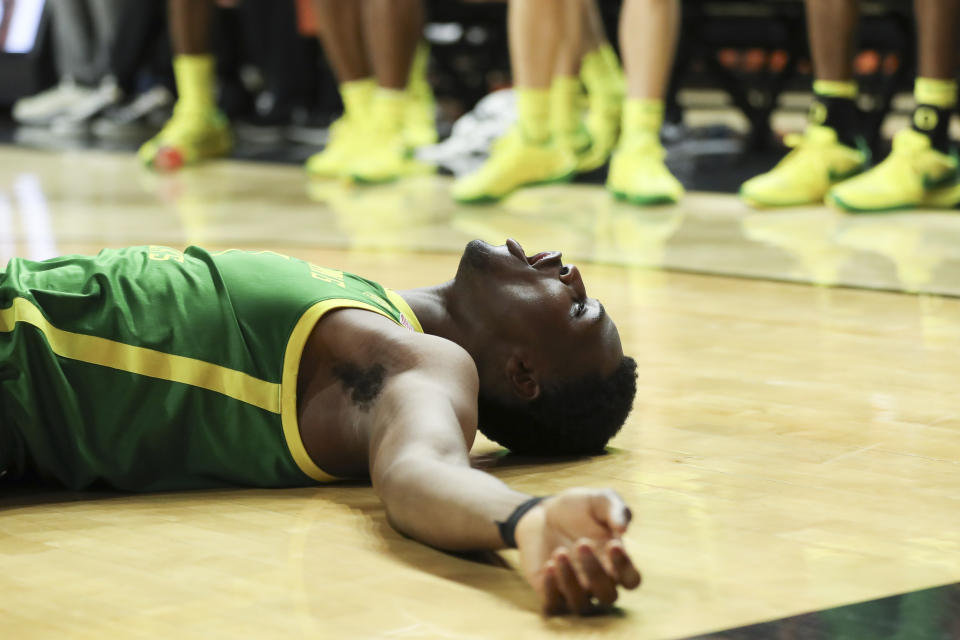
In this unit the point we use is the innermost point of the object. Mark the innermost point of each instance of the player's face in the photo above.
(542, 303)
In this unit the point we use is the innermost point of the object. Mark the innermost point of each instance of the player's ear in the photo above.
(522, 378)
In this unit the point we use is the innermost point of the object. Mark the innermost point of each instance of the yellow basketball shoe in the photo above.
(345, 138)
(913, 175)
(391, 159)
(603, 127)
(420, 116)
(385, 155)
(188, 137)
(639, 175)
(566, 118)
(420, 121)
(805, 175)
(515, 162)
(602, 76)
(577, 142)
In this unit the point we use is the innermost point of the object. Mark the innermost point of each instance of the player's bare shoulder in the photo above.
(363, 355)
(361, 369)
(362, 336)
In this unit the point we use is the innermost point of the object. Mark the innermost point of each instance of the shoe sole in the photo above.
(758, 204)
(372, 181)
(840, 204)
(644, 201)
(219, 152)
(359, 179)
(488, 199)
(834, 201)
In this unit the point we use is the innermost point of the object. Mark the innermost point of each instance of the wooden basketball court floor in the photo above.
(793, 447)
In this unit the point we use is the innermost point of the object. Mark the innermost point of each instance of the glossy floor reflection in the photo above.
(792, 449)
(102, 198)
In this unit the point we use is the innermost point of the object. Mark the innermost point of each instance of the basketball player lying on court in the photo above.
(148, 369)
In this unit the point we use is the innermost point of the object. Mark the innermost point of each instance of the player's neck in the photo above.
(430, 305)
(438, 311)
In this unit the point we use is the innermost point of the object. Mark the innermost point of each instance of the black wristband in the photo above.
(509, 527)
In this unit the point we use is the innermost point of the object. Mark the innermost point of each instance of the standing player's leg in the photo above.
(602, 76)
(197, 130)
(74, 51)
(342, 36)
(921, 171)
(527, 154)
(566, 92)
(648, 41)
(105, 22)
(420, 121)
(832, 147)
(392, 30)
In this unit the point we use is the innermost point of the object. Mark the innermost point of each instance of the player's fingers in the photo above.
(609, 508)
(553, 603)
(601, 585)
(626, 573)
(576, 598)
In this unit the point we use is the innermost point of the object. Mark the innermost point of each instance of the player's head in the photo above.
(553, 376)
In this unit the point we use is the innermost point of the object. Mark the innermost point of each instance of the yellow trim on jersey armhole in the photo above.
(143, 361)
(291, 368)
(404, 308)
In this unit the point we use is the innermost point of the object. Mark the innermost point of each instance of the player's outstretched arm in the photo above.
(570, 544)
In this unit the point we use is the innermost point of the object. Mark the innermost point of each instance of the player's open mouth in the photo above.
(516, 250)
(543, 255)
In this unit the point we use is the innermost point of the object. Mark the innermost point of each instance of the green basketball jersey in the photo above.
(152, 369)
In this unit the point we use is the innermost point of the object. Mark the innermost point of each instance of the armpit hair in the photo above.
(364, 384)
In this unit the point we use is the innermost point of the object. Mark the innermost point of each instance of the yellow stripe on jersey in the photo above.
(143, 361)
(404, 308)
(291, 368)
(275, 398)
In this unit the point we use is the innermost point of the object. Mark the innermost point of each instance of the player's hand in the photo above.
(572, 553)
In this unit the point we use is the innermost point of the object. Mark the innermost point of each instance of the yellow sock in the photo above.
(564, 106)
(195, 85)
(935, 102)
(600, 70)
(936, 93)
(642, 116)
(593, 70)
(835, 88)
(388, 108)
(609, 55)
(614, 70)
(417, 83)
(357, 95)
(533, 114)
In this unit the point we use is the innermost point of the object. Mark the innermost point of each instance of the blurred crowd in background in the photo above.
(114, 65)
(507, 95)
